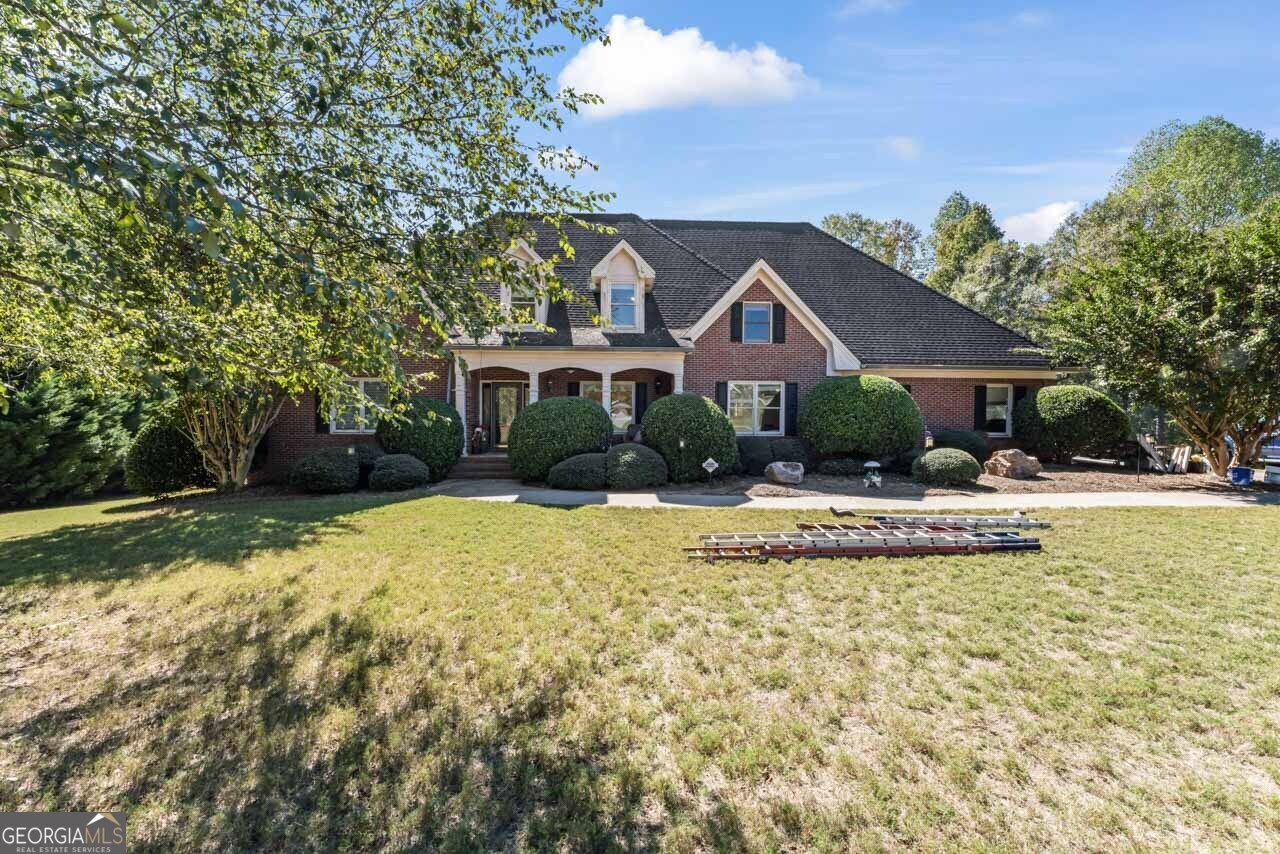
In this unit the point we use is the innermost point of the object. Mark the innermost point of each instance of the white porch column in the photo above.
(606, 392)
(533, 386)
(460, 381)
(677, 379)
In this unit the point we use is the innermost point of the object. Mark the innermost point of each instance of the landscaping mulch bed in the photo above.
(1054, 479)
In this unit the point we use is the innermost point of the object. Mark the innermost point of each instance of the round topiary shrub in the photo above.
(969, 441)
(552, 430)
(687, 429)
(1063, 421)
(162, 460)
(863, 416)
(632, 466)
(584, 471)
(841, 467)
(395, 472)
(327, 470)
(430, 430)
(946, 467)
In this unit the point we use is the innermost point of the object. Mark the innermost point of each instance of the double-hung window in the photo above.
(999, 410)
(757, 322)
(622, 305)
(622, 400)
(353, 414)
(756, 408)
(524, 302)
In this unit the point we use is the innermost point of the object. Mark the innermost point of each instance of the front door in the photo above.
(507, 399)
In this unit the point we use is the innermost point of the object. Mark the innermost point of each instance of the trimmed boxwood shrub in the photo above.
(863, 416)
(632, 466)
(1063, 421)
(969, 441)
(327, 470)
(788, 449)
(162, 460)
(754, 453)
(395, 472)
(552, 430)
(431, 430)
(687, 429)
(946, 467)
(841, 467)
(583, 471)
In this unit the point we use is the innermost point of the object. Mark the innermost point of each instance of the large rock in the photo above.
(788, 474)
(1013, 463)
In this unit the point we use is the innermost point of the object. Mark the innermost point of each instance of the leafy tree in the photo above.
(895, 242)
(1006, 282)
(244, 201)
(1186, 319)
(956, 240)
(59, 440)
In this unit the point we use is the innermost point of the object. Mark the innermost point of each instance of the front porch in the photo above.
(490, 387)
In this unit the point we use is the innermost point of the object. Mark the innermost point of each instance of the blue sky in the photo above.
(791, 110)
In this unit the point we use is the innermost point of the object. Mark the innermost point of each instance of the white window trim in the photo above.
(606, 304)
(1008, 413)
(768, 331)
(362, 415)
(539, 310)
(755, 404)
(613, 384)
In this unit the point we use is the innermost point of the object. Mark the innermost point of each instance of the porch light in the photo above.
(928, 439)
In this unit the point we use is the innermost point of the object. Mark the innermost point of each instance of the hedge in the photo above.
(552, 430)
(395, 472)
(633, 466)
(430, 430)
(327, 470)
(367, 457)
(688, 429)
(946, 467)
(969, 441)
(756, 452)
(1064, 421)
(841, 467)
(163, 460)
(583, 471)
(862, 416)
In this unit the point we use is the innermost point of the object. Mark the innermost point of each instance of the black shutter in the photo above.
(735, 322)
(722, 396)
(575, 390)
(907, 386)
(779, 323)
(793, 406)
(642, 401)
(1019, 392)
(322, 415)
(980, 407)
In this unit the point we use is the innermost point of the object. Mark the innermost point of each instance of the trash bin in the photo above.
(1272, 475)
(1240, 475)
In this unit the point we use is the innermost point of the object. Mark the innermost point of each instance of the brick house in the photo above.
(750, 314)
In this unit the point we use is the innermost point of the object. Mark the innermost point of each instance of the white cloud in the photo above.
(862, 7)
(902, 147)
(645, 69)
(1038, 225)
(770, 196)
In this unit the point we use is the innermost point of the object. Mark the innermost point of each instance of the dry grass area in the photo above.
(363, 672)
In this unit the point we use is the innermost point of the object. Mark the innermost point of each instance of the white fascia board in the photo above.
(839, 358)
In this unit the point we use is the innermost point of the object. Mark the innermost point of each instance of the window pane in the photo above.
(590, 390)
(376, 391)
(770, 420)
(755, 323)
(621, 401)
(741, 393)
(346, 417)
(622, 305)
(740, 415)
(997, 409)
(769, 407)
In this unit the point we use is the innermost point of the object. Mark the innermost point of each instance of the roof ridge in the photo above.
(688, 249)
(947, 297)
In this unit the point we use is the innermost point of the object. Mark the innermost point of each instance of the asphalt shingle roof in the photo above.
(881, 315)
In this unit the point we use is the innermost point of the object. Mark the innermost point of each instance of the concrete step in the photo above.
(483, 466)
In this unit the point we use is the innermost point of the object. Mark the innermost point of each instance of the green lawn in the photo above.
(367, 672)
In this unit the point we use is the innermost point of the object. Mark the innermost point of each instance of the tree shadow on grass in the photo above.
(214, 531)
(269, 730)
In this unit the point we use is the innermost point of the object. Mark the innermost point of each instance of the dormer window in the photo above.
(622, 277)
(522, 300)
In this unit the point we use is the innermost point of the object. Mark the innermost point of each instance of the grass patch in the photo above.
(364, 672)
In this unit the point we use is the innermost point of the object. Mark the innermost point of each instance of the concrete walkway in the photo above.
(512, 491)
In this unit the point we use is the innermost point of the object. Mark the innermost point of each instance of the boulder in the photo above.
(1013, 464)
(788, 474)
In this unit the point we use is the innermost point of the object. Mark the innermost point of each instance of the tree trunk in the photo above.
(226, 429)
(1211, 439)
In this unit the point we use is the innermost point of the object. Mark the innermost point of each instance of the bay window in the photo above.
(756, 407)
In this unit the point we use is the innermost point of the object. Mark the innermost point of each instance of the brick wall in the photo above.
(800, 359)
(948, 403)
(294, 434)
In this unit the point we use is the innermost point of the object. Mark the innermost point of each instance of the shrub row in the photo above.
(756, 452)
